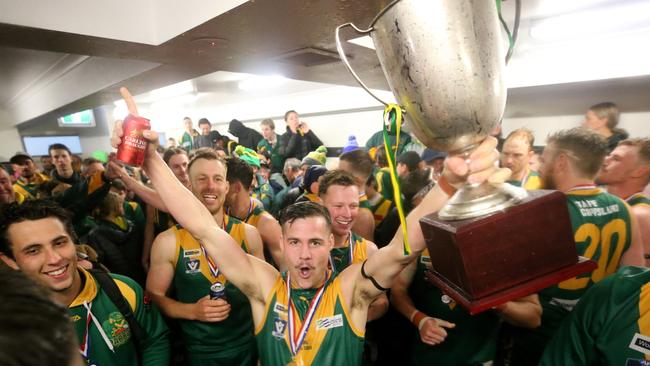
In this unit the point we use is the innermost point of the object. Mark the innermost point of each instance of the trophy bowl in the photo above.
(444, 62)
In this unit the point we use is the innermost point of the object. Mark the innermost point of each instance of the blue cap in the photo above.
(429, 155)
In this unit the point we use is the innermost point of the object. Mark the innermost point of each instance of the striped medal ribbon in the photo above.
(296, 340)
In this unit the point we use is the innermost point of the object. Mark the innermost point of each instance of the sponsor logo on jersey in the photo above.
(193, 266)
(567, 305)
(117, 329)
(425, 259)
(329, 322)
(640, 343)
(635, 362)
(192, 253)
(279, 326)
(75, 318)
(279, 308)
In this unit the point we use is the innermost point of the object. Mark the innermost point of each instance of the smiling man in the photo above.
(37, 238)
(308, 315)
(215, 331)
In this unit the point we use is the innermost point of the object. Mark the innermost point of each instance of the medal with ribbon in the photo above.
(213, 267)
(296, 340)
(84, 347)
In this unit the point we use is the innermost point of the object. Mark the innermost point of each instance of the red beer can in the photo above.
(132, 149)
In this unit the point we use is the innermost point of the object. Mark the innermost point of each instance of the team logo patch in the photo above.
(117, 329)
(640, 343)
(279, 326)
(329, 322)
(193, 266)
(75, 318)
(191, 253)
(279, 308)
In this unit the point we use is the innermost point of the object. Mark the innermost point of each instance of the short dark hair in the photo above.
(414, 182)
(58, 146)
(29, 316)
(239, 171)
(167, 155)
(360, 162)
(207, 154)
(409, 158)
(303, 210)
(203, 121)
(20, 159)
(118, 184)
(31, 210)
(586, 146)
(335, 178)
(88, 161)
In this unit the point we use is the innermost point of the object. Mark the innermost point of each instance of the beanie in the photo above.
(247, 155)
(352, 144)
(316, 157)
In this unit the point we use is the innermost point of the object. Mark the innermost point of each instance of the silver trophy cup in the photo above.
(444, 62)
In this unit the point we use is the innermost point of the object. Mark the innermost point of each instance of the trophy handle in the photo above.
(344, 58)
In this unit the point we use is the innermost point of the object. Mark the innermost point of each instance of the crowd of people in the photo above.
(266, 249)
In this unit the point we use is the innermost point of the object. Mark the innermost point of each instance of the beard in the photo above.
(548, 182)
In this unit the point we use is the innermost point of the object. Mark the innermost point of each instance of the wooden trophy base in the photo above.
(486, 261)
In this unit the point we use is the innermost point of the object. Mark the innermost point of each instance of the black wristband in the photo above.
(374, 282)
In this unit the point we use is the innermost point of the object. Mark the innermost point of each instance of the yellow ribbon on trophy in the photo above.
(393, 124)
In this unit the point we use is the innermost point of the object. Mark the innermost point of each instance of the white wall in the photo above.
(637, 124)
(10, 143)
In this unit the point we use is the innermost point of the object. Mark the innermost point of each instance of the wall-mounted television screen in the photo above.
(80, 119)
(37, 145)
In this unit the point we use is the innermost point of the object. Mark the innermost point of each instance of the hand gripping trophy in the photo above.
(444, 62)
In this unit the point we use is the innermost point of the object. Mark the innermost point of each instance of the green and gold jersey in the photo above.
(384, 184)
(331, 337)
(530, 182)
(609, 326)
(263, 192)
(193, 276)
(93, 308)
(381, 209)
(602, 232)
(474, 339)
(363, 201)
(30, 190)
(638, 199)
(354, 252)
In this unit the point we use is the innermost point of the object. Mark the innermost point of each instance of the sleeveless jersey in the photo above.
(472, 342)
(255, 211)
(384, 184)
(610, 325)
(602, 232)
(531, 181)
(340, 258)
(638, 199)
(331, 338)
(192, 280)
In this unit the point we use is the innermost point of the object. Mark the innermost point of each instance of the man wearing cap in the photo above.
(435, 161)
(316, 157)
(310, 184)
(29, 180)
(516, 154)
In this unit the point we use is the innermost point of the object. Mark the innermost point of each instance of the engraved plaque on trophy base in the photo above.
(486, 261)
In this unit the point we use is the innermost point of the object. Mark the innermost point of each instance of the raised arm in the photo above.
(243, 271)
(388, 262)
(148, 195)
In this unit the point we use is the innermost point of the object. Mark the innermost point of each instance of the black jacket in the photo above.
(207, 140)
(296, 145)
(246, 136)
(618, 135)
